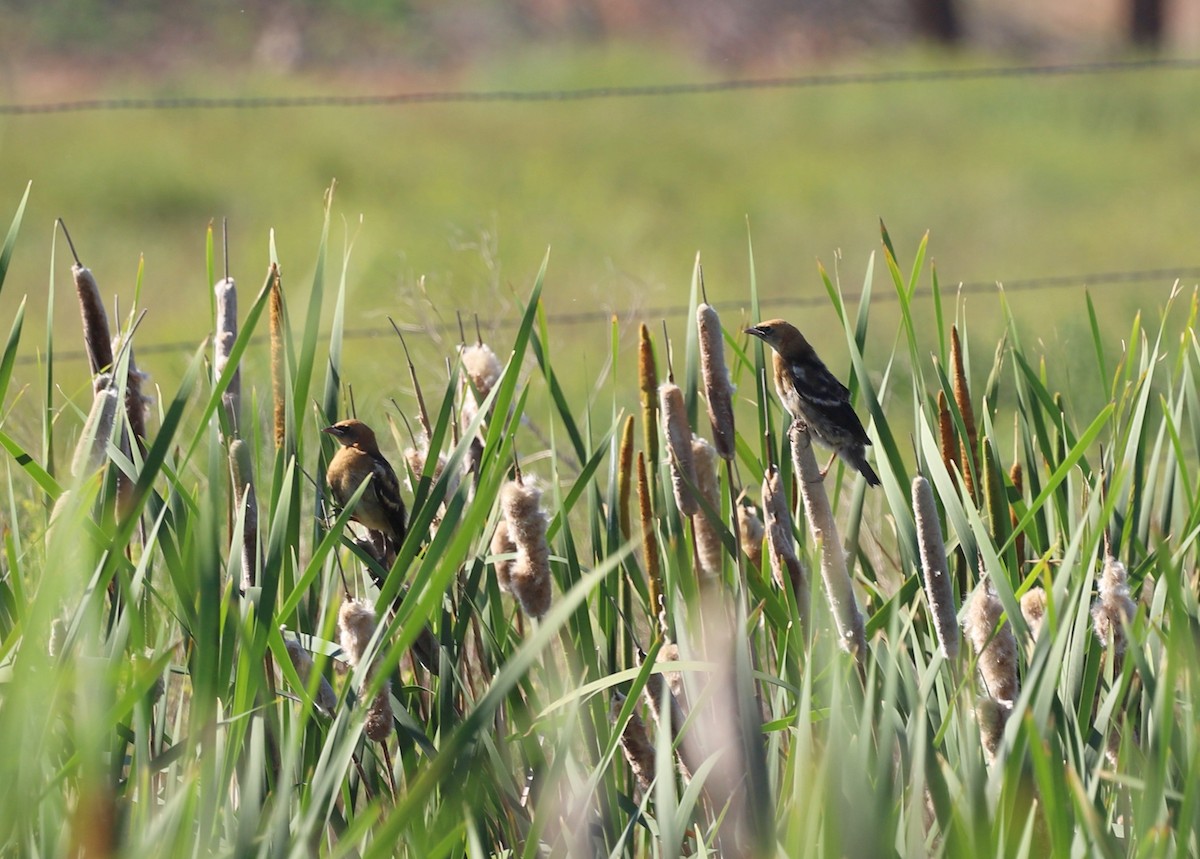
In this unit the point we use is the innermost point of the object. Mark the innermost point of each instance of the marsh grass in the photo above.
(150, 704)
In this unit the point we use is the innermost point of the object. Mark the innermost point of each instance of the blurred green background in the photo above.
(450, 207)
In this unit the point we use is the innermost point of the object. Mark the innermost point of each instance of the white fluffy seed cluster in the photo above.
(356, 625)
(708, 534)
(502, 544)
(752, 534)
(529, 576)
(994, 643)
(1033, 609)
(1114, 608)
(483, 367)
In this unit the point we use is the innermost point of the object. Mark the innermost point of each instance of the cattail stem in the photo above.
(939, 589)
(838, 588)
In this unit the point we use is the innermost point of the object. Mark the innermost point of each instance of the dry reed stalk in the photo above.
(502, 544)
(786, 567)
(752, 533)
(529, 578)
(649, 538)
(278, 377)
(227, 330)
(244, 497)
(962, 396)
(839, 590)
(718, 390)
(325, 698)
(648, 387)
(635, 743)
(709, 548)
(679, 444)
(1113, 610)
(1033, 609)
(939, 589)
(625, 477)
(994, 643)
(91, 451)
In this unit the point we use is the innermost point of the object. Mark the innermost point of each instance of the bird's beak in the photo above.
(332, 430)
(755, 331)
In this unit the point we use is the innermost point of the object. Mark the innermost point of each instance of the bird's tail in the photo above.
(858, 458)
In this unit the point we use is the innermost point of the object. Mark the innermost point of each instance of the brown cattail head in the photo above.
(718, 390)
(786, 567)
(635, 743)
(529, 578)
(242, 473)
(649, 537)
(679, 443)
(378, 725)
(502, 544)
(325, 699)
(752, 533)
(939, 589)
(1033, 609)
(962, 396)
(1017, 477)
(278, 377)
(91, 451)
(946, 431)
(356, 625)
(136, 400)
(95, 321)
(625, 476)
(1114, 609)
(708, 533)
(992, 716)
(227, 329)
(648, 385)
(994, 643)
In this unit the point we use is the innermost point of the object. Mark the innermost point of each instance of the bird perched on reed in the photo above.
(380, 508)
(814, 396)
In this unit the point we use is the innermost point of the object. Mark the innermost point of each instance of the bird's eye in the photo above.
(767, 329)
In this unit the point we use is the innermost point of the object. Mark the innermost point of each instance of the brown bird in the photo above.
(381, 507)
(813, 396)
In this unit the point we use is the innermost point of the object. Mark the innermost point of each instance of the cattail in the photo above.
(752, 533)
(1015, 475)
(718, 390)
(95, 321)
(625, 476)
(483, 369)
(91, 451)
(838, 588)
(636, 745)
(994, 643)
(502, 544)
(679, 444)
(417, 457)
(992, 716)
(786, 567)
(648, 385)
(325, 699)
(227, 328)
(529, 577)
(278, 377)
(994, 499)
(356, 625)
(668, 653)
(58, 637)
(1113, 609)
(939, 589)
(649, 537)
(136, 400)
(708, 534)
(946, 432)
(1033, 609)
(654, 692)
(242, 473)
(962, 396)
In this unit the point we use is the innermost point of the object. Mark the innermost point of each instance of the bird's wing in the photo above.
(387, 493)
(818, 386)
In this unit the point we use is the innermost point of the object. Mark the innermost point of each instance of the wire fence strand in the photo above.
(810, 81)
(669, 311)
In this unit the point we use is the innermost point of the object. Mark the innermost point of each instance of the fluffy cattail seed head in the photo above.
(378, 725)
(227, 328)
(1115, 608)
(992, 716)
(356, 625)
(718, 390)
(752, 534)
(95, 320)
(502, 544)
(994, 643)
(325, 698)
(1033, 609)
(529, 577)
(939, 589)
(91, 451)
(786, 567)
(679, 443)
(483, 368)
(635, 743)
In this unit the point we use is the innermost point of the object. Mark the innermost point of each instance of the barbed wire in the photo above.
(666, 311)
(611, 92)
